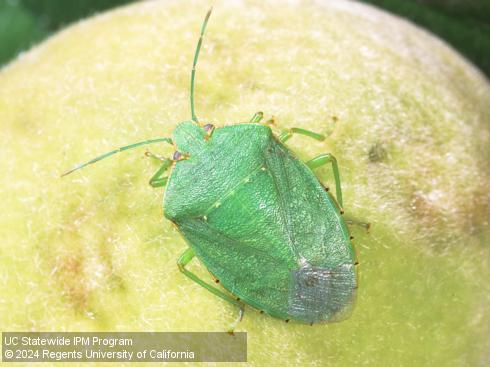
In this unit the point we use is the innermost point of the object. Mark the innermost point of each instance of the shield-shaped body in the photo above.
(261, 222)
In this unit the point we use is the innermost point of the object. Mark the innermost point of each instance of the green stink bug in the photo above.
(257, 217)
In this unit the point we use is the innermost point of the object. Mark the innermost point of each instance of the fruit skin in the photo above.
(75, 250)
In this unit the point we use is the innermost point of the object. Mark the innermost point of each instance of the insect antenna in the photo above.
(118, 150)
(196, 56)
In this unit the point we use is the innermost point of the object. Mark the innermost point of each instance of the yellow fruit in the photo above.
(410, 128)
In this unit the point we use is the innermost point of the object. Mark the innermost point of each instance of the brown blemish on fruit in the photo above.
(79, 271)
(113, 281)
(69, 274)
(427, 211)
(476, 210)
(459, 213)
(377, 152)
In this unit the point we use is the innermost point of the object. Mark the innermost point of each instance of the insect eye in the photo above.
(208, 128)
(178, 156)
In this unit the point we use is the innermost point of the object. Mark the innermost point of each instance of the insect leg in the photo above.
(358, 223)
(238, 319)
(287, 134)
(154, 156)
(256, 118)
(185, 259)
(323, 159)
(157, 180)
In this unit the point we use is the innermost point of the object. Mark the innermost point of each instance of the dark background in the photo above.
(465, 24)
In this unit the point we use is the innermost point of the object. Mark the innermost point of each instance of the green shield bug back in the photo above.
(257, 217)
